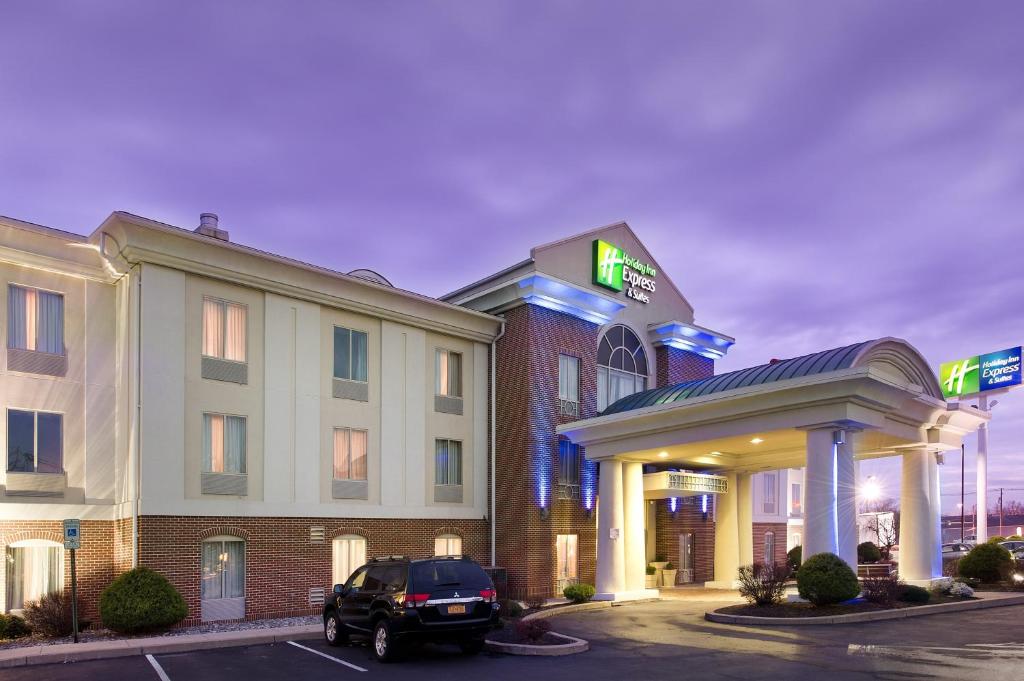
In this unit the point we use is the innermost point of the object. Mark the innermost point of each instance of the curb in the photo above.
(918, 611)
(63, 653)
(573, 646)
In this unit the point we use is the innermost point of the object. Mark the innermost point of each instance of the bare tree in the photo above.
(886, 527)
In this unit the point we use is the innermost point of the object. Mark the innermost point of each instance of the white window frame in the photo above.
(224, 539)
(447, 545)
(569, 378)
(245, 445)
(63, 320)
(224, 305)
(28, 544)
(796, 503)
(452, 390)
(770, 489)
(566, 571)
(347, 548)
(35, 440)
(769, 540)
(351, 363)
(334, 453)
(450, 470)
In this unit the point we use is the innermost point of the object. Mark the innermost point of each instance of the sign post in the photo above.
(73, 541)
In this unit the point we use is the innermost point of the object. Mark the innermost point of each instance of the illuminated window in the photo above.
(223, 444)
(35, 567)
(349, 454)
(794, 503)
(348, 553)
(34, 442)
(448, 374)
(35, 320)
(568, 378)
(224, 330)
(621, 366)
(769, 548)
(448, 545)
(566, 561)
(568, 470)
(770, 486)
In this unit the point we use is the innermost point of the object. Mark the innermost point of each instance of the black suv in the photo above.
(396, 601)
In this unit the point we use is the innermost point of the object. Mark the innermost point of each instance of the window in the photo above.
(224, 330)
(769, 493)
(223, 444)
(348, 553)
(35, 567)
(568, 470)
(621, 366)
(223, 568)
(448, 545)
(769, 548)
(448, 374)
(448, 462)
(569, 378)
(35, 320)
(349, 454)
(566, 562)
(794, 540)
(349, 354)
(34, 442)
(794, 503)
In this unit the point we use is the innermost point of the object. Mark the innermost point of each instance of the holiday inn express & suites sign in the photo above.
(616, 270)
(980, 373)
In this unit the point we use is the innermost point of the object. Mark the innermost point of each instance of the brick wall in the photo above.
(673, 365)
(687, 519)
(282, 564)
(95, 558)
(779, 554)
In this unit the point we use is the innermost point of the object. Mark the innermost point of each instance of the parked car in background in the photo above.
(1016, 548)
(955, 550)
(397, 601)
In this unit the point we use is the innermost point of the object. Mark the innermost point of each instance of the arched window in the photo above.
(35, 567)
(348, 554)
(223, 585)
(621, 366)
(448, 545)
(769, 548)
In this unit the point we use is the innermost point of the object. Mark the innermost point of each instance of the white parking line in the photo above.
(317, 652)
(158, 669)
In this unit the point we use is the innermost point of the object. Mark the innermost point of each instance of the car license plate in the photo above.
(456, 609)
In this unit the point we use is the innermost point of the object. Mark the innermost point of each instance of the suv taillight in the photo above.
(415, 600)
(488, 595)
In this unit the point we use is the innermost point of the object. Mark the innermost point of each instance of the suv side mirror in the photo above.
(339, 589)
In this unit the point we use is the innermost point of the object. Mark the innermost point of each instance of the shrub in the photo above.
(867, 552)
(670, 566)
(960, 589)
(579, 593)
(825, 579)
(988, 563)
(1015, 537)
(882, 589)
(510, 609)
(763, 584)
(995, 540)
(535, 601)
(50, 616)
(141, 600)
(793, 557)
(651, 570)
(532, 630)
(942, 586)
(12, 626)
(914, 594)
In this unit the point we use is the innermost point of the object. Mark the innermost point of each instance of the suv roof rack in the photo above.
(383, 559)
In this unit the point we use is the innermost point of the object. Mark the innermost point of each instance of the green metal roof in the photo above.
(807, 365)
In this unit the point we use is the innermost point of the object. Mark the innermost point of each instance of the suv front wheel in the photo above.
(383, 642)
(332, 630)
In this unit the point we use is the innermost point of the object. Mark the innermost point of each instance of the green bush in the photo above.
(988, 563)
(825, 579)
(996, 539)
(794, 556)
(50, 616)
(141, 600)
(1015, 537)
(651, 571)
(12, 626)
(511, 609)
(914, 594)
(867, 552)
(579, 593)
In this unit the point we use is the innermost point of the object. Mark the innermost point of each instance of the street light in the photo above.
(871, 490)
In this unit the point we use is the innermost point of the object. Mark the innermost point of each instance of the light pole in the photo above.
(963, 450)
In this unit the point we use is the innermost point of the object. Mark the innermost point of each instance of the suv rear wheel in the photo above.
(383, 643)
(332, 630)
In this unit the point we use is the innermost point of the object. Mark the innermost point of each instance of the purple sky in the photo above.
(809, 174)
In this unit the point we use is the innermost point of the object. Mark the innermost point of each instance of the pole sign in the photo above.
(981, 373)
(616, 270)
(72, 533)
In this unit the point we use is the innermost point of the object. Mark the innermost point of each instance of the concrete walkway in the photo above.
(153, 645)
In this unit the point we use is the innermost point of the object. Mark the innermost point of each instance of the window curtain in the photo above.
(448, 545)
(50, 323)
(441, 462)
(358, 450)
(223, 569)
(441, 371)
(17, 318)
(49, 444)
(358, 356)
(234, 569)
(213, 443)
(211, 586)
(33, 572)
(349, 553)
(234, 338)
(454, 374)
(234, 444)
(566, 557)
(448, 462)
(341, 454)
(213, 328)
(342, 353)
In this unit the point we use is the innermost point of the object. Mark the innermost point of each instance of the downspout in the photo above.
(494, 443)
(138, 426)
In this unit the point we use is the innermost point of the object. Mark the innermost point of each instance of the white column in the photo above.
(611, 566)
(634, 547)
(745, 518)
(981, 484)
(820, 529)
(727, 553)
(916, 527)
(846, 500)
(935, 506)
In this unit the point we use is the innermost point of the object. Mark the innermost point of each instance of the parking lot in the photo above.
(663, 640)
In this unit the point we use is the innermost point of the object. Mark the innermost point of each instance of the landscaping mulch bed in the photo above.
(809, 610)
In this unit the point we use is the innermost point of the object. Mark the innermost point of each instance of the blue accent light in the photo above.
(704, 504)
(588, 483)
(835, 499)
(673, 503)
(693, 339)
(561, 297)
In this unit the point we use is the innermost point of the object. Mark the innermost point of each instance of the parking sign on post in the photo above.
(73, 541)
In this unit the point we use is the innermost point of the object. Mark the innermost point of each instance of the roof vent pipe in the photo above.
(208, 227)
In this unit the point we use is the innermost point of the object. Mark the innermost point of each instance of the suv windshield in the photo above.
(454, 573)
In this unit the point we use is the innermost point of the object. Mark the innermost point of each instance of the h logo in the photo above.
(608, 263)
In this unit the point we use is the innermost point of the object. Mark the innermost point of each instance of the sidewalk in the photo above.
(155, 645)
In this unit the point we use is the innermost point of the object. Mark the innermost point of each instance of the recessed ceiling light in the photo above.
(716, 453)
(663, 455)
(756, 441)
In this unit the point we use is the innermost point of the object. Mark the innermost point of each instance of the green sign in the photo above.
(616, 270)
(980, 373)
